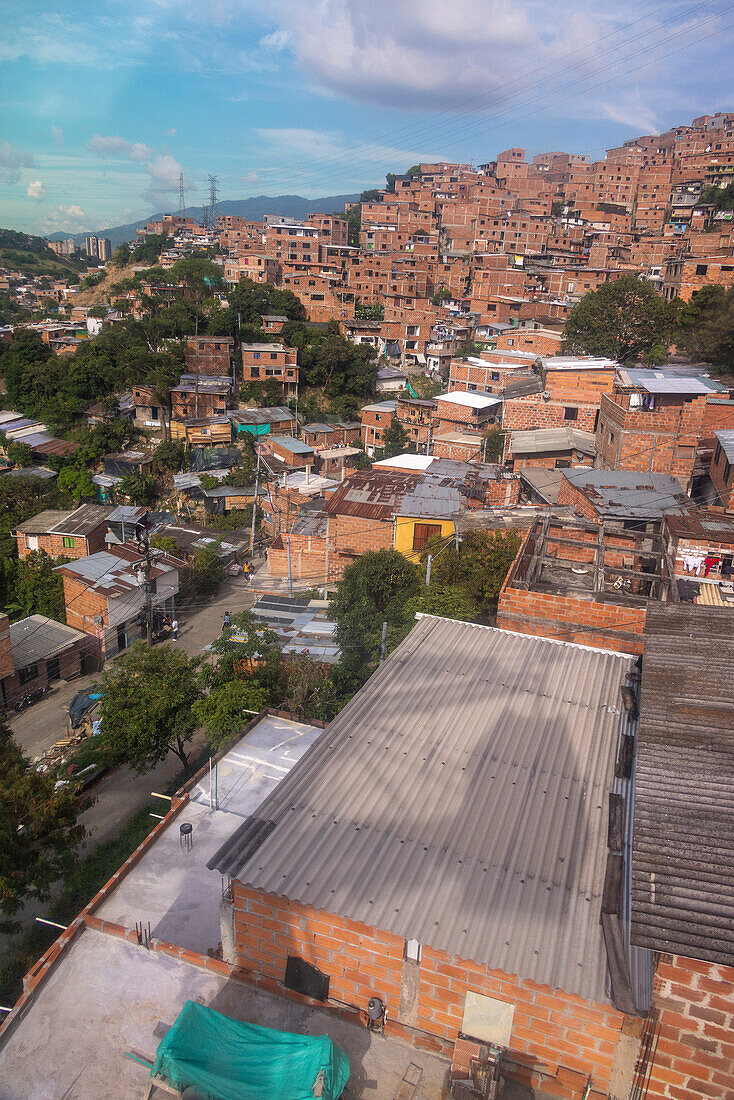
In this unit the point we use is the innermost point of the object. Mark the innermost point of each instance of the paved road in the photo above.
(37, 728)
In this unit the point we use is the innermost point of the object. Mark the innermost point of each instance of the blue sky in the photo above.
(106, 102)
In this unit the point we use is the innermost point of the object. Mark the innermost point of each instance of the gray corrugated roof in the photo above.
(683, 851)
(82, 520)
(274, 414)
(43, 522)
(726, 439)
(430, 498)
(38, 638)
(461, 799)
(296, 446)
(662, 381)
(629, 493)
(552, 439)
(545, 483)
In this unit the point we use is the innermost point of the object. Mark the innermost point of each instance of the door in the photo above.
(52, 669)
(121, 638)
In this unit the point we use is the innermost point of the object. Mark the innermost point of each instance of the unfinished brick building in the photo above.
(585, 583)
(653, 421)
(73, 534)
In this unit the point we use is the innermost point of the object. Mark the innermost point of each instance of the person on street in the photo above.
(226, 618)
(174, 629)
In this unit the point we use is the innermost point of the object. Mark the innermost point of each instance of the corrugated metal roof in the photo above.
(461, 799)
(276, 414)
(296, 446)
(43, 522)
(82, 520)
(629, 493)
(662, 381)
(683, 850)
(552, 439)
(430, 498)
(372, 494)
(38, 638)
(726, 439)
(706, 523)
(544, 483)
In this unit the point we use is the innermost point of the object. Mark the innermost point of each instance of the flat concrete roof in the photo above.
(106, 997)
(173, 888)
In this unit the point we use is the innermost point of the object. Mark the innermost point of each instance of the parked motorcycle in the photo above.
(31, 697)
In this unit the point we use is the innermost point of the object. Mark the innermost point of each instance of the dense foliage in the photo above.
(705, 327)
(38, 830)
(623, 320)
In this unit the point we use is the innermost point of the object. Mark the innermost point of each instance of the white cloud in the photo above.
(11, 162)
(491, 55)
(327, 145)
(36, 190)
(57, 134)
(73, 211)
(119, 147)
(172, 132)
(251, 177)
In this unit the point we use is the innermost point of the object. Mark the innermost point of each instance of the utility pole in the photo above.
(213, 195)
(254, 505)
(428, 570)
(181, 200)
(383, 643)
(146, 566)
(288, 555)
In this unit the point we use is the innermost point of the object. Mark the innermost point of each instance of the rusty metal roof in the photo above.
(706, 523)
(683, 849)
(371, 494)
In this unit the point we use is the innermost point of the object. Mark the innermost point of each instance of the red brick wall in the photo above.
(695, 1050)
(533, 411)
(722, 484)
(584, 621)
(461, 451)
(82, 605)
(574, 498)
(662, 440)
(6, 651)
(549, 461)
(554, 1029)
(54, 544)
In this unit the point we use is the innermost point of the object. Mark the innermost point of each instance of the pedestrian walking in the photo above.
(174, 629)
(226, 618)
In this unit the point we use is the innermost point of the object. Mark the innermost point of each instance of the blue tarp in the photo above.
(224, 1059)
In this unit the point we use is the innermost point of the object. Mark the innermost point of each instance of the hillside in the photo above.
(287, 206)
(23, 252)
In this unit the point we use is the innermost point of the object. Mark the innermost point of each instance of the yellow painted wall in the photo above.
(405, 528)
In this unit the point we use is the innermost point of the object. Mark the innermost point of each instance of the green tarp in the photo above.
(224, 1059)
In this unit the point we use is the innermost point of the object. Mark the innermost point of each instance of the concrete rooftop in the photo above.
(171, 887)
(106, 997)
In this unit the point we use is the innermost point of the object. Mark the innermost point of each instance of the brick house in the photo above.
(460, 411)
(653, 421)
(568, 394)
(623, 496)
(43, 651)
(388, 859)
(550, 448)
(271, 363)
(269, 420)
(722, 467)
(294, 452)
(680, 901)
(199, 395)
(209, 354)
(416, 416)
(459, 446)
(103, 594)
(74, 534)
(375, 418)
(338, 434)
(586, 583)
(701, 548)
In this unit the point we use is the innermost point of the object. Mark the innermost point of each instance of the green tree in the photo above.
(479, 567)
(222, 712)
(77, 483)
(169, 456)
(39, 833)
(450, 601)
(373, 590)
(121, 256)
(201, 577)
(623, 320)
(310, 693)
(148, 706)
(394, 439)
(19, 454)
(495, 445)
(705, 327)
(141, 489)
(38, 589)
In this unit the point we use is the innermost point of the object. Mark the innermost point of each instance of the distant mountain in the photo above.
(286, 206)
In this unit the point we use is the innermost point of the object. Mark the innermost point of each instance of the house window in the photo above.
(570, 413)
(701, 269)
(422, 532)
(256, 355)
(68, 542)
(30, 672)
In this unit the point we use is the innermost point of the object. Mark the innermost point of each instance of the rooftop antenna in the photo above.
(181, 200)
(211, 222)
